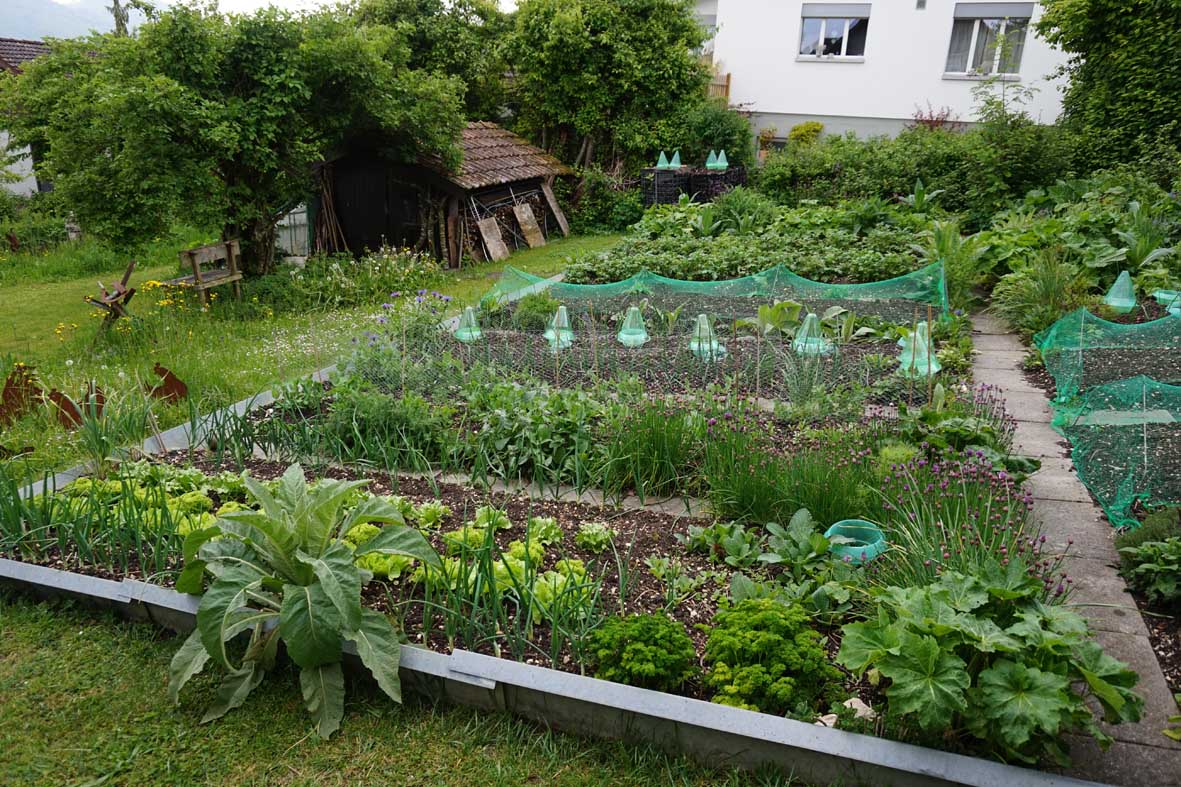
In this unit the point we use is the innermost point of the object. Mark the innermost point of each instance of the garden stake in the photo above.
(930, 350)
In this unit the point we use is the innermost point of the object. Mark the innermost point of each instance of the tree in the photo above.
(459, 38)
(1124, 95)
(220, 120)
(604, 80)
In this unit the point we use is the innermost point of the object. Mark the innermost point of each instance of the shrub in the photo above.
(805, 133)
(599, 202)
(712, 125)
(1159, 525)
(1034, 296)
(1154, 568)
(981, 654)
(649, 651)
(762, 656)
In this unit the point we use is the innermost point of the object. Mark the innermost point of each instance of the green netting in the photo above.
(1082, 351)
(901, 298)
(1126, 444)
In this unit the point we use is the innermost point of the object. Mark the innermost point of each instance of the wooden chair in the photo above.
(114, 301)
(213, 266)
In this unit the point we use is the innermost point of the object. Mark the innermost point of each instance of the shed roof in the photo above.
(14, 51)
(493, 156)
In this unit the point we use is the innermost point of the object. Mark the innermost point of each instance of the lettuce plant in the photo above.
(286, 573)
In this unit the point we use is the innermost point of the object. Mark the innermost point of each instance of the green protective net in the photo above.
(633, 333)
(1170, 299)
(1082, 351)
(903, 299)
(1121, 298)
(1126, 444)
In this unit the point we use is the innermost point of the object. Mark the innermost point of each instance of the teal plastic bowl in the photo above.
(869, 542)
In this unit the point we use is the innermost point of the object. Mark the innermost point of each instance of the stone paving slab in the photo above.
(1102, 597)
(1025, 406)
(1056, 482)
(1013, 381)
(1124, 763)
(998, 359)
(985, 323)
(1159, 705)
(1038, 439)
(1005, 342)
(1077, 529)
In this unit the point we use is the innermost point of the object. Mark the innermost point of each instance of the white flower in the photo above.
(69, 362)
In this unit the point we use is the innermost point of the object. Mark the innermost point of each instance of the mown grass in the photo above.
(84, 702)
(222, 360)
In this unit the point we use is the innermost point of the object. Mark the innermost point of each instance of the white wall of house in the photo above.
(23, 169)
(903, 65)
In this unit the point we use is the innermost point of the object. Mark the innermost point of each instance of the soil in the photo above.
(1145, 311)
(1164, 631)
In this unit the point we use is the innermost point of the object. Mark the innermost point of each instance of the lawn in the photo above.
(84, 703)
(221, 360)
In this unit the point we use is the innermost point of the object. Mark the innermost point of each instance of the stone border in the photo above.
(713, 734)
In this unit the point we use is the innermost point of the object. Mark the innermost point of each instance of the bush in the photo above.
(1154, 568)
(712, 125)
(649, 651)
(599, 202)
(1034, 296)
(1159, 525)
(805, 133)
(762, 656)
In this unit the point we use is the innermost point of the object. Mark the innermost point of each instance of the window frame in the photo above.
(842, 57)
(971, 73)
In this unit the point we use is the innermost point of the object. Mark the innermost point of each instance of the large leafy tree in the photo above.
(220, 119)
(460, 38)
(1124, 93)
(602, 80)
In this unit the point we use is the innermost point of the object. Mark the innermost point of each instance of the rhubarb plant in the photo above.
(285, 573)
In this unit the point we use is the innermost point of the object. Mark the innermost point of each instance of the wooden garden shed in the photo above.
(499, 198)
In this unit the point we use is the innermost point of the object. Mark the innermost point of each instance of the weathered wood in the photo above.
(552, 201)
(224, 256)
(453, 245)
(213, 252)
(114, 300)
(490, 232)
(529, 228)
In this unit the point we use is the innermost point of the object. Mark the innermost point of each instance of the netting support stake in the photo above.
(1144, 423)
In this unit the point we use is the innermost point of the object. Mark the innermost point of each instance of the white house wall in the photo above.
(23, 169)
(906, 47)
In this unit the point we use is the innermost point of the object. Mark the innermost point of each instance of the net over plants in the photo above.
(1082, 351)
(1126, 444)
(898, 299)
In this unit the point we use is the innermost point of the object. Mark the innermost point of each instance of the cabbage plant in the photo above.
(284, 573)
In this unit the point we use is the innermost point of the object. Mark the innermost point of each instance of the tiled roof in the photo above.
(493, 156)
(14, 51)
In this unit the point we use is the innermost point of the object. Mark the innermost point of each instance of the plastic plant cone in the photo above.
(916, 359)
(704, 344)
(632, 333)
(469, 328)
(558, 334)
(662, 162)
(1121, 298)
(1170, 299)
(676, 162)
(809, 340)
(712, 161)
(722, 162)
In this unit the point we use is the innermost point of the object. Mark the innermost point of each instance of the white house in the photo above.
(14, 52)
(869, 67)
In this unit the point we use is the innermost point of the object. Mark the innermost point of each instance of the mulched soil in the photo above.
(1040, 378)
(1145, 311)
(640, 534)
(1164, 631)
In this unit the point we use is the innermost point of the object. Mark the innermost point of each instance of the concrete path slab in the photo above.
(1079, 530)
(985, 323)
(1102, 597)
(1038, 439)
(1025, 406)
(998, 359)
(1124, 763)
(1005, 342)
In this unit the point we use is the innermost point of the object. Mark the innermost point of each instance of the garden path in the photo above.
(1140, 754)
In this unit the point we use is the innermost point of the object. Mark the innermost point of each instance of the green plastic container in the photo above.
(1121, 298)
(633, 333)
(704, 344)
(870, 542)
(809, 340)
(469, 327)
(559, 334)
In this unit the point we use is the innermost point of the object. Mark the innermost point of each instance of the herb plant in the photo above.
(649, 651)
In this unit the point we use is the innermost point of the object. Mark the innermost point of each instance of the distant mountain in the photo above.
(40, 18)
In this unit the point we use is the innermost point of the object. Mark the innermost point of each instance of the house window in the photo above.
(833, 37)
(986, 46)
(834, 30)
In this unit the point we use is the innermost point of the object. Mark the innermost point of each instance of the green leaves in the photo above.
(926, 681)
(293, 547)
(380, 652)
(1019, 700)
(323, 694)
(310, 625)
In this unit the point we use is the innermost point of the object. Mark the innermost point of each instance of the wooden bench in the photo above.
(221, 260)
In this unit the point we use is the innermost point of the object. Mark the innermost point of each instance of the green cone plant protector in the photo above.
(1170, 299)
(662, 162)
(558, 334)
(676, 162)
(469, 328)
(1121, 298)
(809, 340)
(916, 358)
(633, 333)
(704, 343)
(721, 163)
(712, 161)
